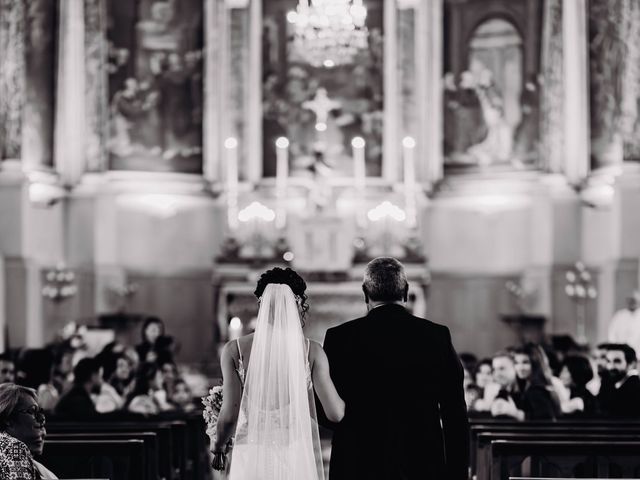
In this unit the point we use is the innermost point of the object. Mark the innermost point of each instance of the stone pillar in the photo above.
(215, 84)
(37, 136)
(12, 78)
(576, 89)
(429, 42)
(70, 128)
(253, 82)
(96, 106)
(391, 141)
(552, 92)
(615, 81)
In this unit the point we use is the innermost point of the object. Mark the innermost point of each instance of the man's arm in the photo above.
(329, 347)
(453, 412)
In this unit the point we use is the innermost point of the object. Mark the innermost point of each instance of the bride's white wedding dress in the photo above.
(277, 432)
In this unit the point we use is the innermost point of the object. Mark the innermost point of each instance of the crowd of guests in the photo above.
(141, 379)
(62, 380)
(538, 382)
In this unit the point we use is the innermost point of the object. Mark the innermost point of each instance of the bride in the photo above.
(268, 382)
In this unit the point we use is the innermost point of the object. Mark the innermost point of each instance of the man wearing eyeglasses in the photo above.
(7, 369)
(22, 434)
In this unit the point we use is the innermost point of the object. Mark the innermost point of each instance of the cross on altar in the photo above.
(321, 105)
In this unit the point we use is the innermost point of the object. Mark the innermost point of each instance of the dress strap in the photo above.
(239, 352)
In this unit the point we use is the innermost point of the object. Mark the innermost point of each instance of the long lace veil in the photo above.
(277, 432)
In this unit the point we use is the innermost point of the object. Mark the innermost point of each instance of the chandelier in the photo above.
(329, 33)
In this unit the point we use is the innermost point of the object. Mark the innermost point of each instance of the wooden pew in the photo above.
(534, 428)
(163, 431)
(484, 460)
(113, 459)
(567, 459)
(150, 440)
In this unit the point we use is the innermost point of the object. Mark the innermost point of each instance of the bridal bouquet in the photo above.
(212, 405)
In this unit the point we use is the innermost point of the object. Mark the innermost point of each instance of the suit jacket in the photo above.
(400, 377)
(622, 402)
(76, 404)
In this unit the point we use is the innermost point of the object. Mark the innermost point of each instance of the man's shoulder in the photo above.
(419, 323)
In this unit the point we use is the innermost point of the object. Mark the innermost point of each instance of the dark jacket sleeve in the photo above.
(329, 347)
(538, 404)
(453, 413)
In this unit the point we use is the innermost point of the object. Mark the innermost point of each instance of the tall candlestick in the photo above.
(231, 146)
(359, 174)
(408, 149)
(282, 176)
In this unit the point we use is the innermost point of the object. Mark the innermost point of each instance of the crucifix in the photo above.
(321, 105)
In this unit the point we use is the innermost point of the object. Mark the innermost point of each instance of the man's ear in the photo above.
(366, 295)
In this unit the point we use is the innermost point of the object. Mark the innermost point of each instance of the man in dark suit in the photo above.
(619, 396)
(77, 403)
(401, 380)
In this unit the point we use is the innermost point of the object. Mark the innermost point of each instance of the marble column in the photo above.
(615, 81)
(96, 102)
(216, 53)
(576, 89)
(12, 77)
(432, 118)
(70, 140)
(631, 84)
(552, 91)
(392, 99)
(37, 136)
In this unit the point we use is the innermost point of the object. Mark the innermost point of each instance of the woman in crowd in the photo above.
(576, 373)
(155, 347)
(122, 378)
(182, 397)
(21, 434)
(148, 396)
(483, 373)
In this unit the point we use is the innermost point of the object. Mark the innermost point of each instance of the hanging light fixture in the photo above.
(329, 33)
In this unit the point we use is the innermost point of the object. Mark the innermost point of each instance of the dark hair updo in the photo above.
(285, 276)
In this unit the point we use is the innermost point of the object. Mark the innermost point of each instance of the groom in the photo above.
(401, 380)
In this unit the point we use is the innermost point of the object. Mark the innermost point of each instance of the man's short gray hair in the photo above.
(10, 395)
(385, 280)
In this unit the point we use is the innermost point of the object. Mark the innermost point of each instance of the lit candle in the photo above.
(282, 175)
(235, 328)
(231, 146)
(359, 174)
(408, 149)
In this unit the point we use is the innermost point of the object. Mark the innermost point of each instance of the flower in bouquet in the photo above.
(212, 405)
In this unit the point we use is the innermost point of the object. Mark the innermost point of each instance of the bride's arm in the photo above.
(332, 404)
(231, 396)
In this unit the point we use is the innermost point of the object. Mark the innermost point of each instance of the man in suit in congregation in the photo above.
(401, 380)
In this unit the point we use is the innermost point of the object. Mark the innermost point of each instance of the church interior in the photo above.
(157, 156)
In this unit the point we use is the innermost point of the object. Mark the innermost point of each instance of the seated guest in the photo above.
(60, 380)
(87, 380)
(483, 374)
(575, 375)
(619, 397)
(122, 378)
(599, 359)
(148, 396)
(533, 368)
(507, 398)
(7, 369)
(155, 346)
(170, 376)
(22, 434)
(182, 397)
